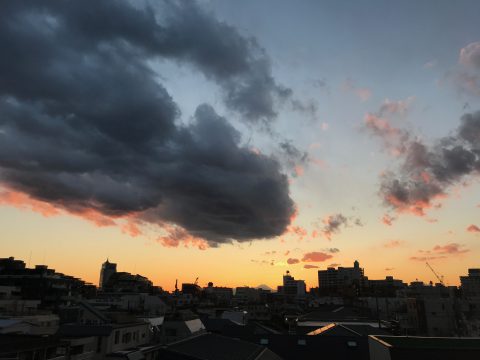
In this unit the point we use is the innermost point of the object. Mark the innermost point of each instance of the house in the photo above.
(216, 347)
(420, 348)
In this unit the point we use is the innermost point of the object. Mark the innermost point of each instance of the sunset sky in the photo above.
(235, 140)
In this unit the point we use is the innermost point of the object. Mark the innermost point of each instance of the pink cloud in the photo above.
(473, 229)
(131, 228)
(308, 266)
(299, 170)
(388, 220)
(441, 252)
(452, 248)
(292, 261)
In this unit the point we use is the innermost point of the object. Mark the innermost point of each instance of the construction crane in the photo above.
(440, 278)
(196, 281)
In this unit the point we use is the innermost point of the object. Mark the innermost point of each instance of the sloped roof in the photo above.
(334, 329)
(216, 347)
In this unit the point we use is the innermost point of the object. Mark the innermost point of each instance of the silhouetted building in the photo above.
(291, 288)
(342, 279)
(128, 283)
(413, 348)
(192, 289)
(470, 284)
(108, 269)
(387, 287)
(42, 283)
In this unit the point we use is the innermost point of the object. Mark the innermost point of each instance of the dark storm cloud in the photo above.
(428, 172)
(237, 63)
(84, 123)
(179, 31)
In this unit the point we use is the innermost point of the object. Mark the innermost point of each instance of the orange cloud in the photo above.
(292, 261)
(299, 231)
(176, 235)
(22, 201)
(308, 266)
(316, 256)
(441, 252)
(416, 208)
(94, 216)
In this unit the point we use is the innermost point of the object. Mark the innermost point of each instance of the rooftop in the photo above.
(417, 342)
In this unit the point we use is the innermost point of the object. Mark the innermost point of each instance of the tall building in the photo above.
(292, 288)
(108, 269)
(343, 277)
(470, 284)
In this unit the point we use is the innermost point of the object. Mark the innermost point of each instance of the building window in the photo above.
(117, 337)
(126, 338)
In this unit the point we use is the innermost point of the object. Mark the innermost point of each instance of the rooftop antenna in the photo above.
(196, 281)
(439, 277)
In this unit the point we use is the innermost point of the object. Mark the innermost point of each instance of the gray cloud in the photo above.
(85, 124)
(428, 171)
(332, 224)
(290, 155)
(238, 64)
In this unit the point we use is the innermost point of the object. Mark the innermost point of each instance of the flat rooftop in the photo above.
(417, 342)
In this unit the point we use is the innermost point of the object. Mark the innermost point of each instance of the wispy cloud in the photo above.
(441, 252)
(332, 224)
(391, 244)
